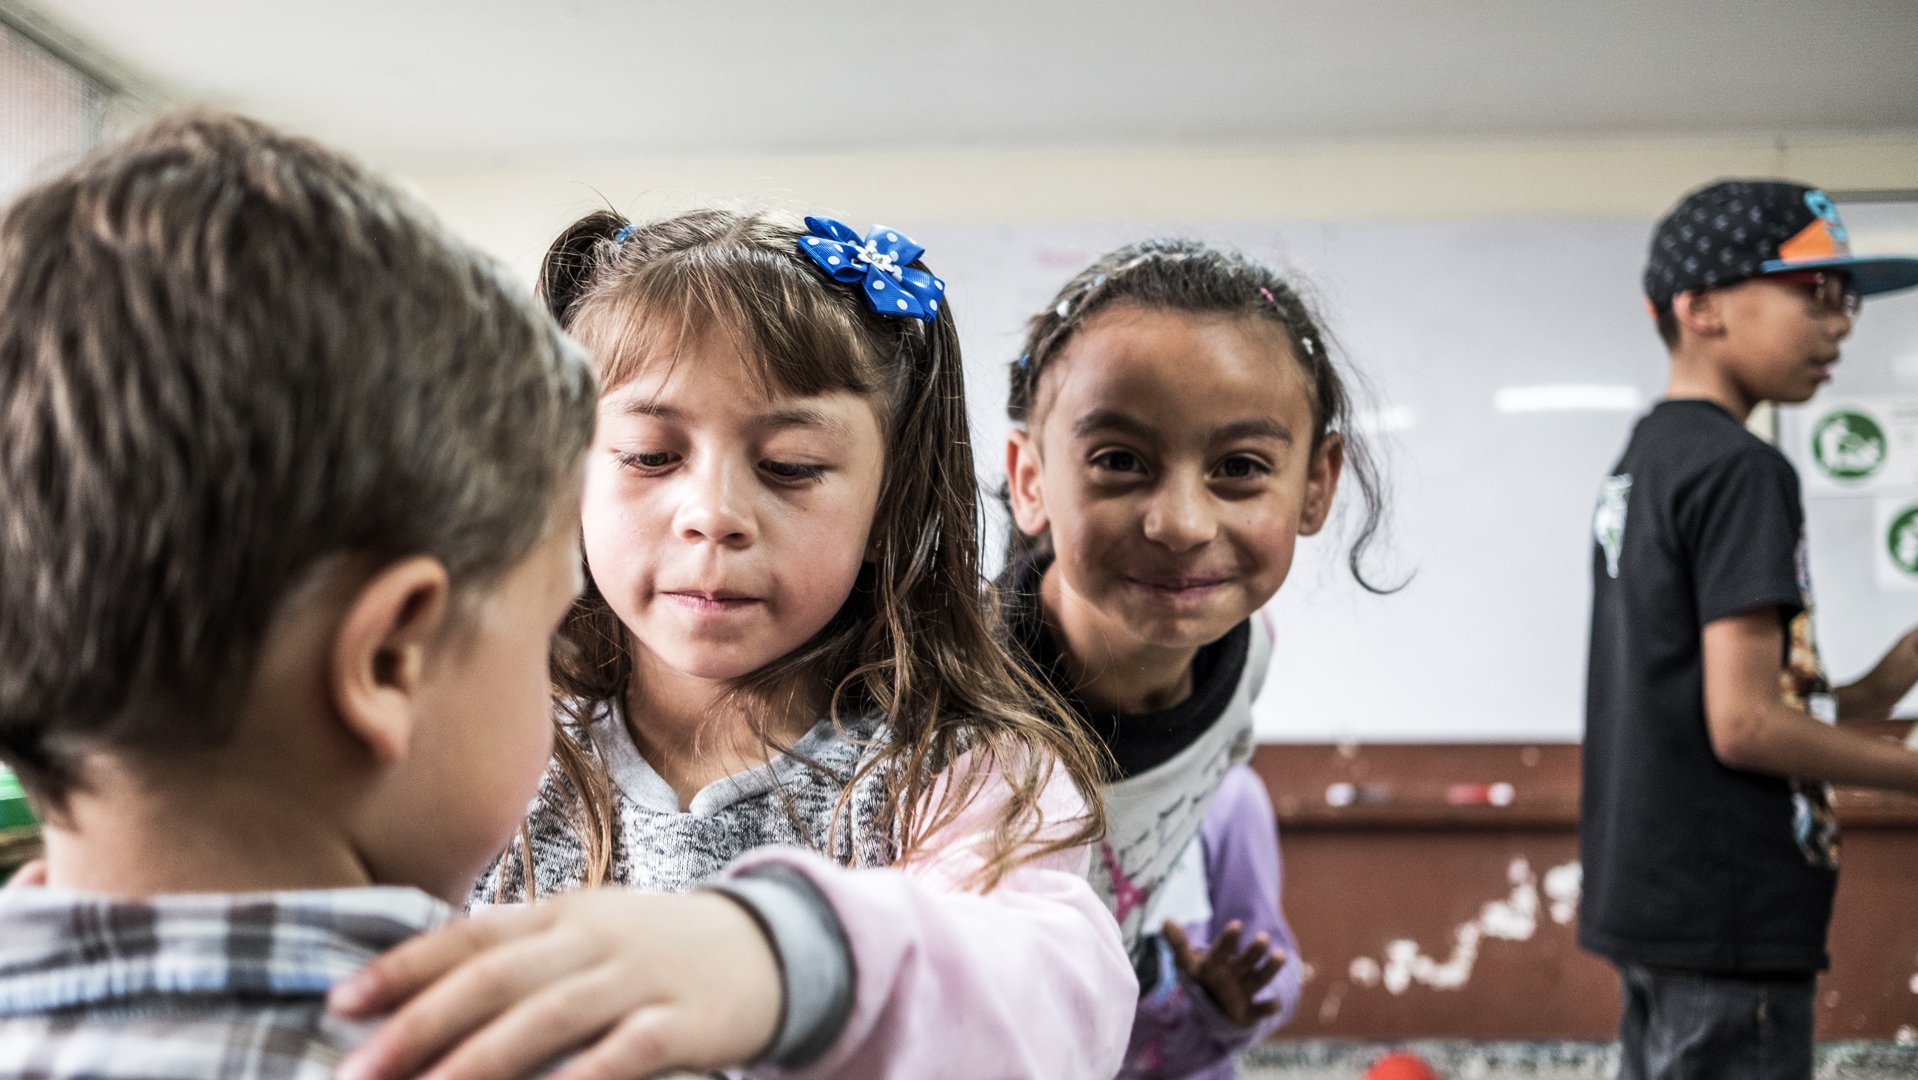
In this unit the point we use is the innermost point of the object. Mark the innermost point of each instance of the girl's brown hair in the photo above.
(915, 640)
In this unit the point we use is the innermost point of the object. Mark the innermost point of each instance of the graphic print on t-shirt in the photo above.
(1803, 685)
(1608, 521)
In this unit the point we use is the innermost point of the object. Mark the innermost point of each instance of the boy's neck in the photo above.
(139, 836)
(1698, 378)
(696, 731)
(1110, 669)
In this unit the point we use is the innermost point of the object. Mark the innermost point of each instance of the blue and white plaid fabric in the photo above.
(211, 985)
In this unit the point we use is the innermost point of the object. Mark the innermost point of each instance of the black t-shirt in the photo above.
(1689, 863)
(1138, 741)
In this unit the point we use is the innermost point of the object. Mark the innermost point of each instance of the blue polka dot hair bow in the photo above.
(878, 264)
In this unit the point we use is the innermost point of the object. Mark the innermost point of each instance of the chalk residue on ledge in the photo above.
(1514, 918)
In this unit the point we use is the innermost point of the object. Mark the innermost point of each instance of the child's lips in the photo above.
(710, 601)
(1195, 585)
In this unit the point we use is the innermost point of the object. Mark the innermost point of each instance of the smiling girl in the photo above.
(1179, 425)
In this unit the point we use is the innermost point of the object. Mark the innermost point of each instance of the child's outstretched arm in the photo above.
(1874, 696)
(660, 981)
(1245, 983)
(1752, 728)
(1029, 979)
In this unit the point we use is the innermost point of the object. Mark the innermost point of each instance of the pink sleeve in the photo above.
(1028, 980)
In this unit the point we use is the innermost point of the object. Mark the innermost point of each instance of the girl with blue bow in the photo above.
(807, 812)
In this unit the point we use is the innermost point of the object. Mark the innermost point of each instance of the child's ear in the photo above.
(1023, 485)
(1322, 483)
(381, 652)
(1700, 312)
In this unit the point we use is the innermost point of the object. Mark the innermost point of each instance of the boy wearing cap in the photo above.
(1709, 848)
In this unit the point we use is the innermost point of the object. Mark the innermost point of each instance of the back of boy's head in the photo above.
(1187, 276)
(228, 356)
(1733, 230)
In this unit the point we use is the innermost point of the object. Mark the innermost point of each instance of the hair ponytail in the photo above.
(567, 271)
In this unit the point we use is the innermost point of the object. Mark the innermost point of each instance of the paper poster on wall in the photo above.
(1896, 542)
(1860, 446)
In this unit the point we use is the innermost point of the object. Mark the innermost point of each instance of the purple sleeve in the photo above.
(1178, 1031)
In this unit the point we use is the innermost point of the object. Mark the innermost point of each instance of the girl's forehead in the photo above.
(692, 392)
(678, 355)
(1132, 324)
(1150, 357)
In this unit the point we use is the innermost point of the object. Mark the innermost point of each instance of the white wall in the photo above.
(49, 114)
(1448, 271)
(515, 212)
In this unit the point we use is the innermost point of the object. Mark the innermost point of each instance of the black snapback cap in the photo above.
(1732, 230)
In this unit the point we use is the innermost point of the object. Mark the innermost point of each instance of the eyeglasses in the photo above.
(1833, 292)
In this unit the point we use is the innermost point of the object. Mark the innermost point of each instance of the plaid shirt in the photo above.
(188, 985)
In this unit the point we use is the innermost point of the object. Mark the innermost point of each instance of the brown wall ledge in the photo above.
(1475, 786)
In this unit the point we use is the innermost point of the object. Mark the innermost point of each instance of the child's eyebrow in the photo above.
(1102, 420)
(649, 407)
(805, 418)
(780, 420)
(1099, 420)
(1263, 427)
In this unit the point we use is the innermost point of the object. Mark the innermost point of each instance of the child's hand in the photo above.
(1875, 696)
(30, 874)
(652, 982)
(1900, 662)
(1231, 976)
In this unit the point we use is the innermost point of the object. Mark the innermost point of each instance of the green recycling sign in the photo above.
(1849, 445)
(1895, 540)
(1855, 446)
(1901, 541)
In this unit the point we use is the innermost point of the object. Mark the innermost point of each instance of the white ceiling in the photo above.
(479, 82)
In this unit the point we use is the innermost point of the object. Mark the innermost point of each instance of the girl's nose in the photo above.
(716, 507)
(1180, 516)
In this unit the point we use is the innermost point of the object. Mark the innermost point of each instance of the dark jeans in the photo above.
(1689, 1025)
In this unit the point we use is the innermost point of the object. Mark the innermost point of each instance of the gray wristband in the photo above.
(815, 960)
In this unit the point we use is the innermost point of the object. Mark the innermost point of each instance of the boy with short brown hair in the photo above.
(291, 485)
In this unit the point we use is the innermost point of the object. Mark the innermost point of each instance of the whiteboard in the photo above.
(1507, 362)
(1859, 611)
